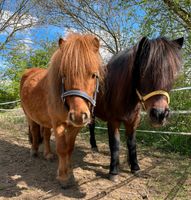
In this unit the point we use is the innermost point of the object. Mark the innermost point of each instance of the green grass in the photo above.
(169, 143)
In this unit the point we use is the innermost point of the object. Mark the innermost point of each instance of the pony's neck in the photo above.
(120, 96)
(54, 77)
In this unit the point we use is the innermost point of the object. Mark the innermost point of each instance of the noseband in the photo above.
(81, 94)
(157, 92)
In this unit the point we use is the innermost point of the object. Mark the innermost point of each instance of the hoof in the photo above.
(49, 156)
(66, 184)
(33, 153)
(113, 178)
(95, 149)
(135, 172)
(135, 169)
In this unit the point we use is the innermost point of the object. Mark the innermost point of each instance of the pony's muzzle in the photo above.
(78, 119)
(159, 115)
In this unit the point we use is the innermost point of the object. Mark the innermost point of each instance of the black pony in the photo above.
(143, 75)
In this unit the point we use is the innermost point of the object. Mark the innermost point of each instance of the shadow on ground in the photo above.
(20, 172)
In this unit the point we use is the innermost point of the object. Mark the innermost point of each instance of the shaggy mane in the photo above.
(75, 61)
(158, 63)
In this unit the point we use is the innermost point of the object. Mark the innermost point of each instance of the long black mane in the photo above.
(149, 65)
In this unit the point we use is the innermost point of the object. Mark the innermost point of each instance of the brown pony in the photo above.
(61, 97)
(143, 74)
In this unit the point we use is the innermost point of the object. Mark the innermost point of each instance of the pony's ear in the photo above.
(179, 41)
(94, 41)
(96, 44)
(141, 45)
(61, 43)
(142, 42)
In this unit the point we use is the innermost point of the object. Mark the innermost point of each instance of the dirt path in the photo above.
(163, 176)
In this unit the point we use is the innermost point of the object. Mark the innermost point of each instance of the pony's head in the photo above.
(158, 62)
(80, 71)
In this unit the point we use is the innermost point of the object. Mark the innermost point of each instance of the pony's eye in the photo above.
(94, 75)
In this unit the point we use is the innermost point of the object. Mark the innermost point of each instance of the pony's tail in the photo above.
(39, 135)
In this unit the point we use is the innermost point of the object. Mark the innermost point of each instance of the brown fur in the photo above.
(77, 60)
(148, 66)
(152, 67)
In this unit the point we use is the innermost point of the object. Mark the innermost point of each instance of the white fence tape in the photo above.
(147, 131)
(176, 89)
(181, 112)
(10, 102)
(180, 89)
(175, 112)
(10, 110)
(144, 131)
(11, 117)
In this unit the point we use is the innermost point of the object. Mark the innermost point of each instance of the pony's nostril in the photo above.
(78, 118)
(72, 116)
(167, 112)
(84, 117)
(154, 113)
(159, 114)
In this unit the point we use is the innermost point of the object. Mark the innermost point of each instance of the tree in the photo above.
(19, 59)
(171, 18)
(182, 9)
(14, 17)
(115, 24)
(119, 24)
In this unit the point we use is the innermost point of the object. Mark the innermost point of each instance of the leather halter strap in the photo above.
(154, 93)
(80, 93)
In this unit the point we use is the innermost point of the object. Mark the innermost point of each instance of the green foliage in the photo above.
(166, 142)
(119, 24)
(166, 18)
(6, 95)
(180, 100)
(169, 142)
(19, 59)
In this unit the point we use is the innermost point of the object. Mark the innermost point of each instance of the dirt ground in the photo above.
(162, 176)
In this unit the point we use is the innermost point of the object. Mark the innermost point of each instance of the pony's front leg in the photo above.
(48, 155)
(92, 135)
(114, 142)
(65, 138)
(131, 145)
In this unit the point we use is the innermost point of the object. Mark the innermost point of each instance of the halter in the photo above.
(157, 92)
(81, 94)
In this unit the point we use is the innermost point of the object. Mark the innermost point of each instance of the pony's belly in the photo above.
(37, 114)
(34, 101)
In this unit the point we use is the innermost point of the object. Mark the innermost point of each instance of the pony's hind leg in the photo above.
(35, 137)
(47, 149)
(92, 136)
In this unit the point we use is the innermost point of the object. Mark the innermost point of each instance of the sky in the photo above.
(32, 37)
(50, 32)
(33, 34)
(47, 33)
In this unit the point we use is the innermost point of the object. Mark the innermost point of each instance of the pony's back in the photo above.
(27, 74)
